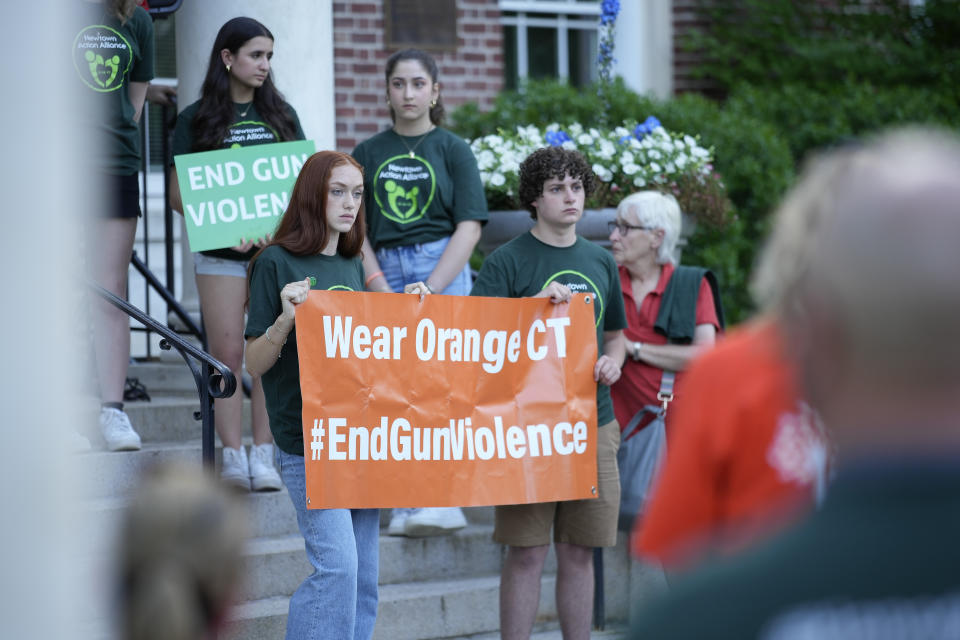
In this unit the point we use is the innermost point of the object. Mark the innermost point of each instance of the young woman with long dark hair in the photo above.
(238, 106)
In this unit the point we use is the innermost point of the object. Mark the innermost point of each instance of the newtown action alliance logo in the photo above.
(404, 187)
(102, 57)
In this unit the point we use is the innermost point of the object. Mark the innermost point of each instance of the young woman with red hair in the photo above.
(316, 246)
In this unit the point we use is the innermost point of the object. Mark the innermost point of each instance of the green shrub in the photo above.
(809, 118)
(542, 102)
(820, 45)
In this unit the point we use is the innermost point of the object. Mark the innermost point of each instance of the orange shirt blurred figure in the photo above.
(744, 455)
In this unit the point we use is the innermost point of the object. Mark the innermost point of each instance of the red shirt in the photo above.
(639, 382)
(743, 454)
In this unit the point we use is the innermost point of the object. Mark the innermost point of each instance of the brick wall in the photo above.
(473, 72)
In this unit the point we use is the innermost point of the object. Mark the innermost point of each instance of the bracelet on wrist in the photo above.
(636, 350)
(266, 335)
(373, 276)
(429, 288)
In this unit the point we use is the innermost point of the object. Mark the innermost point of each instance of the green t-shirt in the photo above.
(108, 56)
(419, 199)
(246, 131)
(525, 265)
(281, 383)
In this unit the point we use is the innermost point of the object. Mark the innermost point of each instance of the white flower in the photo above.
(616, 156)
(602, 172)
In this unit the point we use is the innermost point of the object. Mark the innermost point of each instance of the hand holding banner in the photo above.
(449, 401)
(235, 193)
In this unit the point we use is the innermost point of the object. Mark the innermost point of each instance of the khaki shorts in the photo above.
(589, 523)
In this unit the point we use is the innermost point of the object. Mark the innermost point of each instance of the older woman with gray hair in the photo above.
(672, 312)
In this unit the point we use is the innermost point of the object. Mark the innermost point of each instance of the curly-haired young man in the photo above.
(551, 261)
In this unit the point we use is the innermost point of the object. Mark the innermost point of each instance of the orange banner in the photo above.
(452, 401)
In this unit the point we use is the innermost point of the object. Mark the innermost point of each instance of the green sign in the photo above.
(238, 193)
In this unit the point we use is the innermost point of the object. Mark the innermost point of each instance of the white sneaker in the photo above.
(117, 431)
(234, 468)
(263, 477)
(397, 521)
(434, 521)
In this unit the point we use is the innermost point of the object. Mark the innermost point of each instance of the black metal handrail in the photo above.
(175, 307)
(213, 378)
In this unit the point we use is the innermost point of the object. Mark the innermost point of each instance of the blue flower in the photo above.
(624, 140)
(646, 127)
(557, 138)
(608, 11)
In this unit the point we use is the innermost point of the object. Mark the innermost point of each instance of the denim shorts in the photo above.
(415, 262)
(210, 266)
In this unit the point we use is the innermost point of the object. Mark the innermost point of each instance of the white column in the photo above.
(48, 182)
(643, 46)
(302, 69)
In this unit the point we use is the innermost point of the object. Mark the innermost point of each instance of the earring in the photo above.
(433, 104)
(228, 68)
(388, 101)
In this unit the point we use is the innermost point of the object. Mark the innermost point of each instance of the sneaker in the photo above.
(434, 521)
(117, 431)
(397, 521)
(234, 468)
(263, 477)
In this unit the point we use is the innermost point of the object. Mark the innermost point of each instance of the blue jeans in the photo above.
(343, 546)
(415, 262)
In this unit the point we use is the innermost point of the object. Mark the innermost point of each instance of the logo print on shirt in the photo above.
(102, 57)
(578, 283)
(249, 132)
(798, 451)
(340, 287)
(400, 183)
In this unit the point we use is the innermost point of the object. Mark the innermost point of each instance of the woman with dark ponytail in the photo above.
(425, 207)
(238, 106)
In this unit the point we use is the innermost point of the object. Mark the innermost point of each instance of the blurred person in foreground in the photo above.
(180, 559)
(747, 455)
(875, 335)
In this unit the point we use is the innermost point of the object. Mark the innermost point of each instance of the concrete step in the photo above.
(166, 374)
(276, 565)
(551, 631)
(463, 607)
(407, 611)
(116, 473)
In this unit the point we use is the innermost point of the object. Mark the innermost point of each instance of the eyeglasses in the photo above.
(624, 228)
